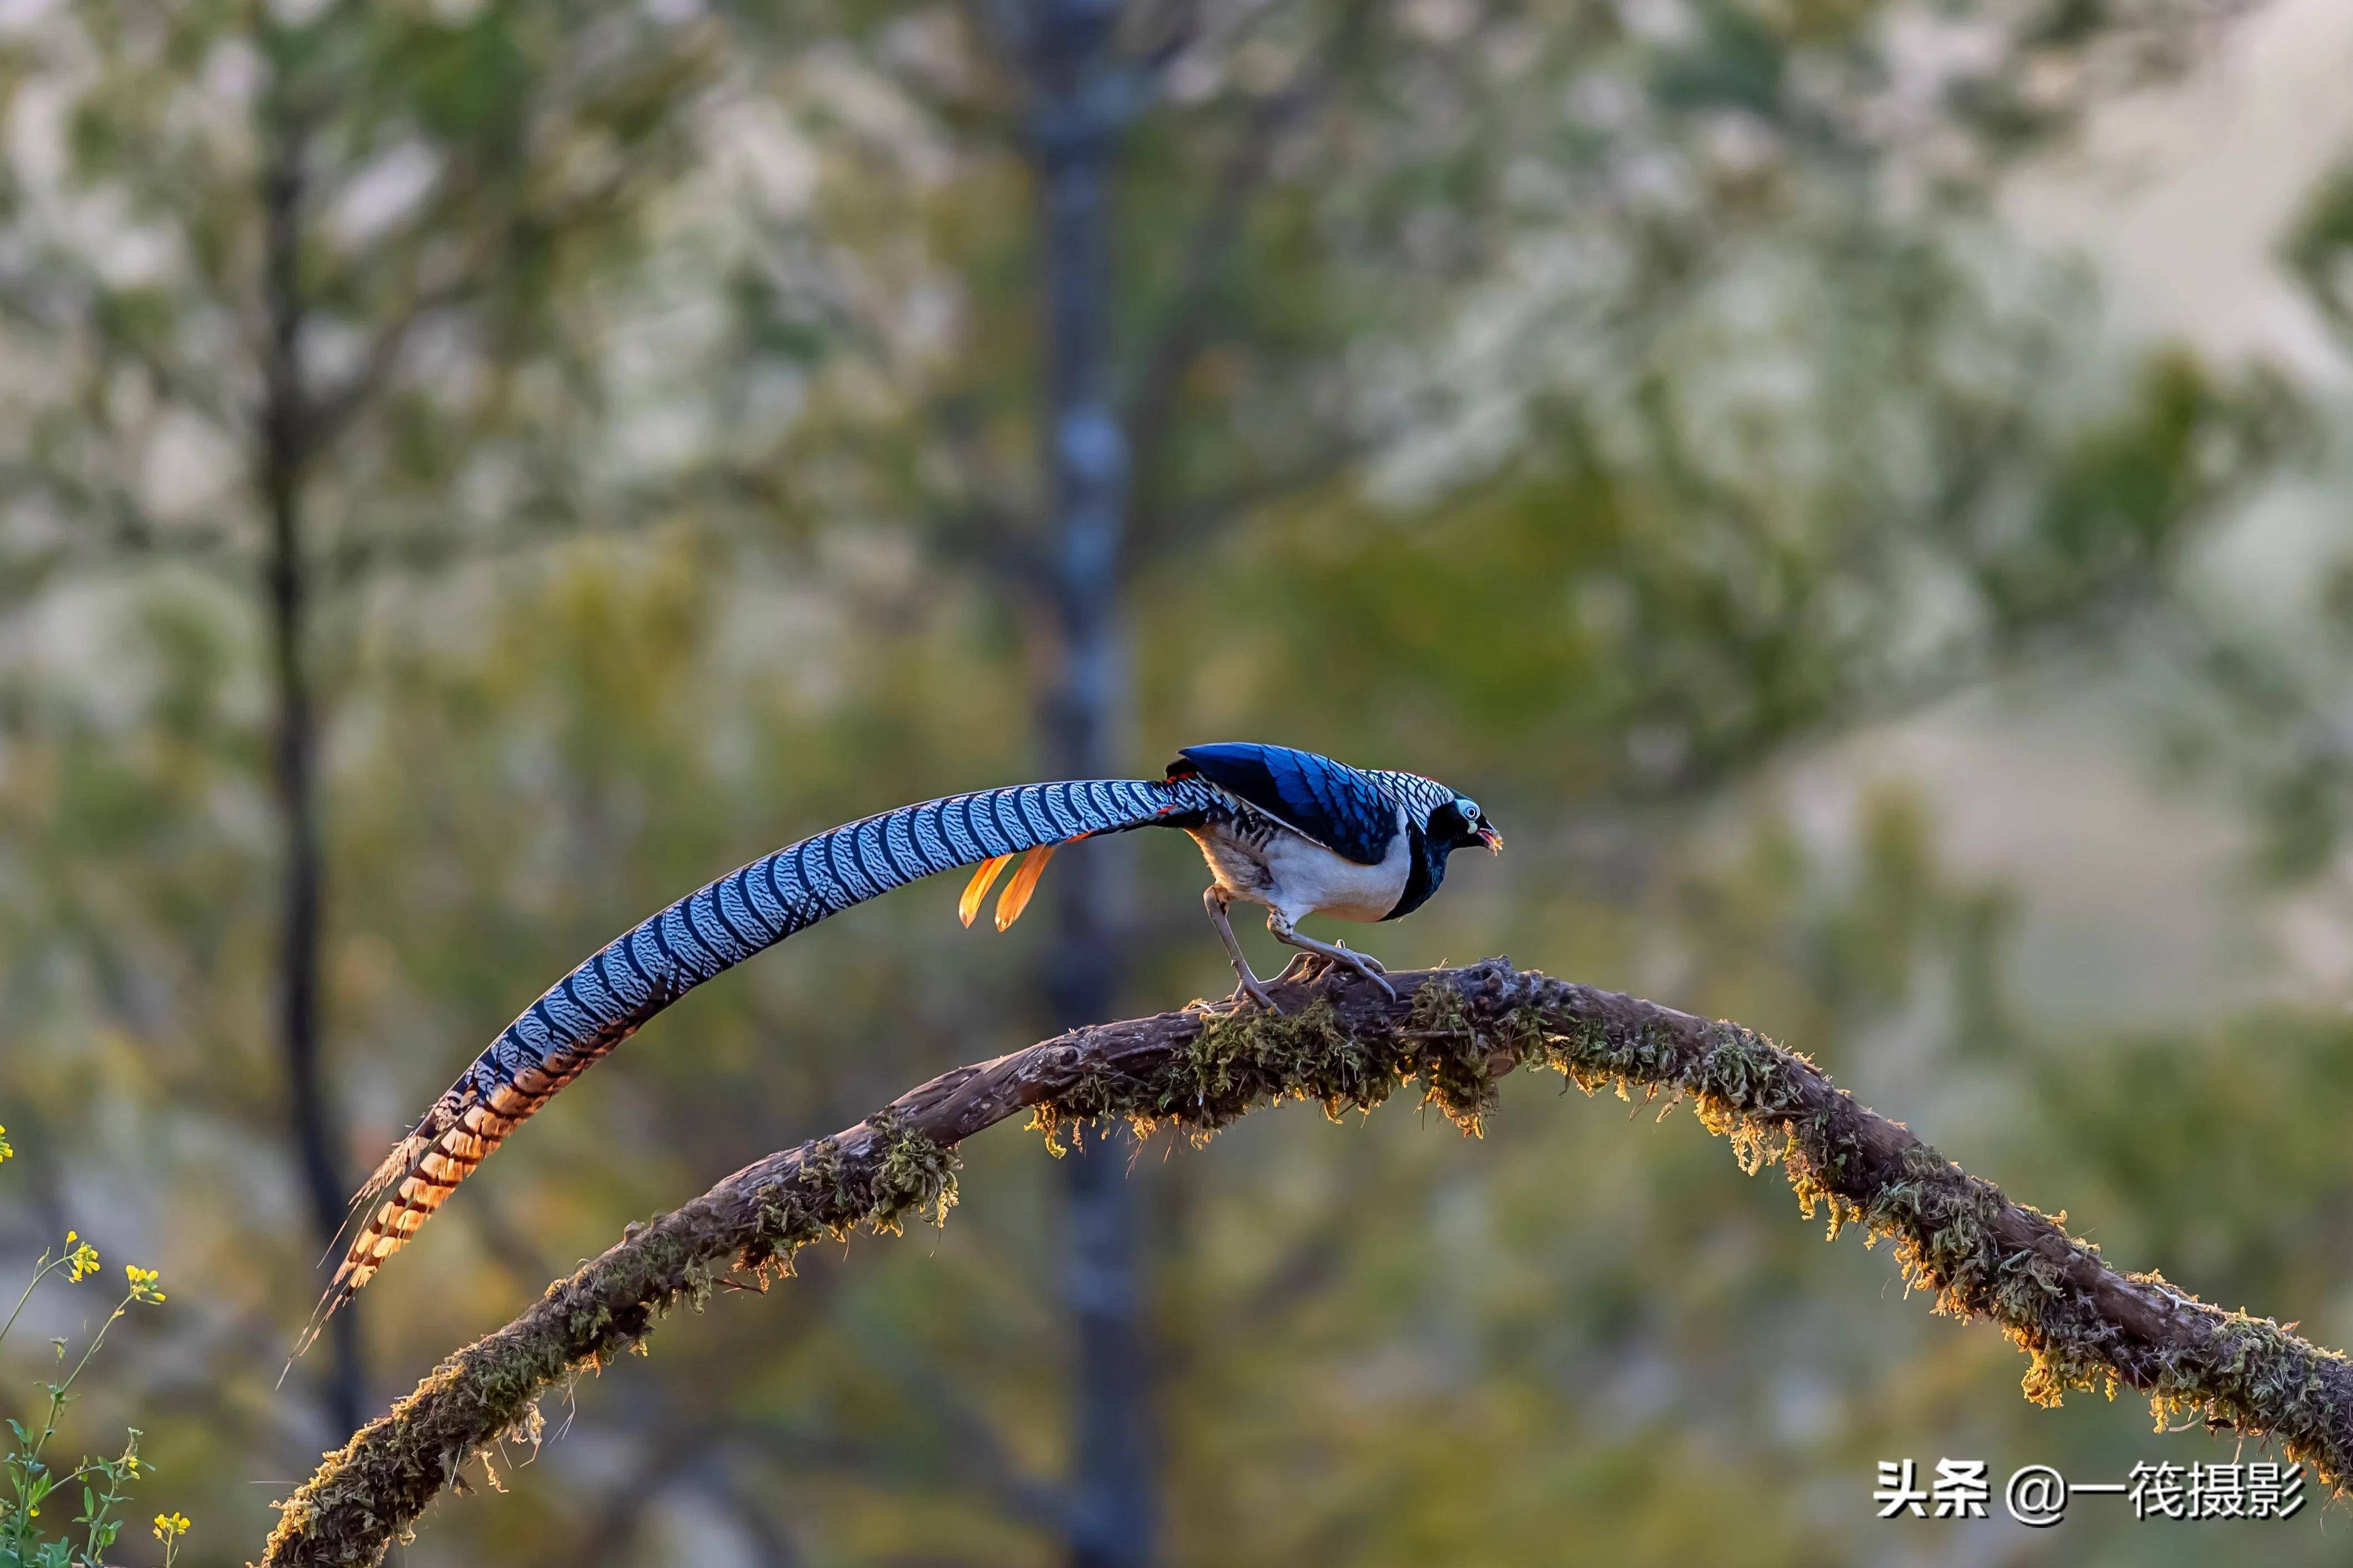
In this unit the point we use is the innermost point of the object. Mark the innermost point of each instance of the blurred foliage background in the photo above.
(471, 470)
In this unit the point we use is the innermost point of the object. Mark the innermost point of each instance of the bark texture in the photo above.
(1451, 1034)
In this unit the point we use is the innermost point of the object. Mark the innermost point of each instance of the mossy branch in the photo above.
(1341, 1041)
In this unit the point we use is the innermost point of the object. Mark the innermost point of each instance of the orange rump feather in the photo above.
(1024, 883)
(978, 889)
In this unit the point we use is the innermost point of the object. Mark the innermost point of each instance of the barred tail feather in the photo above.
(423, 1168)
(634, 976)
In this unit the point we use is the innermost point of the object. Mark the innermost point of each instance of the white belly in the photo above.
(1301, 879)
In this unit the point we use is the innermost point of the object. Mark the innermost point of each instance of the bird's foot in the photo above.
(1302, 966)
(1253, 989)
(1362, 963)
(1323, 960)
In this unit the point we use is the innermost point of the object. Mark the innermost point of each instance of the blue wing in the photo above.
(1342, 808)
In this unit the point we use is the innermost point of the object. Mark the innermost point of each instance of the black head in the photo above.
(1460, 824)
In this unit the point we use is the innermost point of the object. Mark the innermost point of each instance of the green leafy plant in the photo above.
(28, 1481)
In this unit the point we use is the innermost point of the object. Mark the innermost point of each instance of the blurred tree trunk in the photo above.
(285, 436)
(1110, 1521)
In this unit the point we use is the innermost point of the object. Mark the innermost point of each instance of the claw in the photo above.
(1364, 965)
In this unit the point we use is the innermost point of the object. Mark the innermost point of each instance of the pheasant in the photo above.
(1297, 833)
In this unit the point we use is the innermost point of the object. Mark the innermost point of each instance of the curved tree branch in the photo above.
(1451, 1033)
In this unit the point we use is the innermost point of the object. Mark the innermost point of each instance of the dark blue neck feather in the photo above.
(1427, 868)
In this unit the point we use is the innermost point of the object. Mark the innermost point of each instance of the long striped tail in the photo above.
(643, 971)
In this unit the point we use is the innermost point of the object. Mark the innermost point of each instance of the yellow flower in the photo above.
(142, 1283)
(170, 1527)
(82, 1260)
(5, 1149)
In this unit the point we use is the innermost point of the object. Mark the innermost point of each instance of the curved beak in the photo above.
(1492, 839)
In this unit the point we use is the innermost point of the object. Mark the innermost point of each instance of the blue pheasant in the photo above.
(1297, 833)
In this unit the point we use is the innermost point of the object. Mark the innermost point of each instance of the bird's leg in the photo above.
(1214, 900)
(1284, 932)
